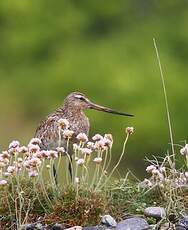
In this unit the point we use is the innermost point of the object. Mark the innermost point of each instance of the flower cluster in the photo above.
(169, 176)
(18, 159)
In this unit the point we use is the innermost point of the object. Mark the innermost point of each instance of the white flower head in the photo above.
(82, 137)
(97, 137)
(186, 174)
(77, 180)
(100, 145)
(97, 160)
(53, 154)
(23, 149)
(60, 150)
(86, 151)
(63, 123)
(33, 173)
(91, 145)
(150, 168)
(3, 182)
(80, 161)
(33, 148)
(48, 166)
(147, 183)
(67, 134)
(14, 144)
(184, 150)
(11, 169)
(35, 141)
(130, 130)
(6, 174)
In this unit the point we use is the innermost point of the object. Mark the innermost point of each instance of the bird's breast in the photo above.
(79, 124)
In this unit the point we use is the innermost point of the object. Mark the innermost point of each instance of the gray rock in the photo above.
(94, 228)
(180, 228)
(183, 222)
(29, 227)
(135, 223)
(57, 227)
(155, 212)
(108, 221)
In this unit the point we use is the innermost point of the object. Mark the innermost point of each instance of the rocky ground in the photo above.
(158, 214)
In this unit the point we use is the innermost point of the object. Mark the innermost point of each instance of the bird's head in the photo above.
(79, 101)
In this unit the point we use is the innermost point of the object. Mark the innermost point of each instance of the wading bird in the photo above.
(72, 110)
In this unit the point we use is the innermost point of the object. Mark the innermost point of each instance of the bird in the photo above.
(73, 111)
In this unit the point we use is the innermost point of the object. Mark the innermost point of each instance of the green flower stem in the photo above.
(120, 158)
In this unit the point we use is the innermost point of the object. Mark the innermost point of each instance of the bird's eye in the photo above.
(80, 97)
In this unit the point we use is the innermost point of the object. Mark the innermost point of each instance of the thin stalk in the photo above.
(120, 158)
(166, 100)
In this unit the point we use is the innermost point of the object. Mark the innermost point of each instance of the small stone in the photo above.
(75, 228)
(57, 227)
(180, 228)
(108, 221)
(29, 227)
(39, 226)
(93, 228)
(134, 223)
(183, 222)
(155, 212)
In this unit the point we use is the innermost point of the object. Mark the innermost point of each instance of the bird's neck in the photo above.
(70, 111)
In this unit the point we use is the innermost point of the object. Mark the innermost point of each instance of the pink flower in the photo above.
(53, 154)
(6, 174)
(33, 173)
(97, 137)
(63, 123)
(86, 151)
(3, 182)
(33, 148)
(129, 130)
(35, 141)
(11, 169)
(100, 145)
(91, 145)
(60, 150)
(67, 134)
(184, 150)
(97, 160)
(14, 144)
(82, 137)
(147, 183)
(80, 161)
(23, 149)
(150, 168)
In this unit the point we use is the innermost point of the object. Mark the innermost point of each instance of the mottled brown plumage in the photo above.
(72, 110)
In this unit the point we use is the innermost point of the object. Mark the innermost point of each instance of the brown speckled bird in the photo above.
(72, 110)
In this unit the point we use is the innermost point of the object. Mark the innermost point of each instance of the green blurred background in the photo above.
(105, 50)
